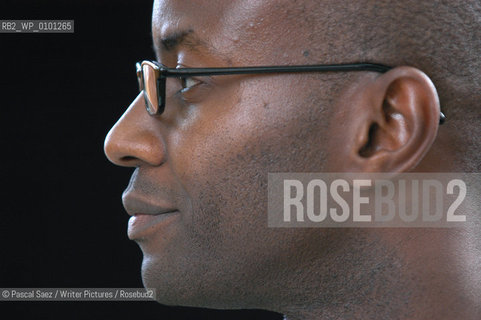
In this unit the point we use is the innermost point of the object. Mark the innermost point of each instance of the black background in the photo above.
(62, 223)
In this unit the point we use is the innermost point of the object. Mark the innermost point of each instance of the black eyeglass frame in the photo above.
(162, 73)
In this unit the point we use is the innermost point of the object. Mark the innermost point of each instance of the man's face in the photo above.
(206, 158)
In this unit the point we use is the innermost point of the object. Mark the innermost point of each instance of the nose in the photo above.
(135, 139)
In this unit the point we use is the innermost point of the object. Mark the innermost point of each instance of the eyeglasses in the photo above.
(152, 77)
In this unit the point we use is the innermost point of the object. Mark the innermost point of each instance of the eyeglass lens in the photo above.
(150, 89)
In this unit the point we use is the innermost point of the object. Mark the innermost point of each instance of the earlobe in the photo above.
(397, 123)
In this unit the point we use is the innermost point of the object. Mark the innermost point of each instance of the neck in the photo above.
(392, 273)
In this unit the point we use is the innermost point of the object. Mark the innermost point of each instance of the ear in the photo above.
(391, 121)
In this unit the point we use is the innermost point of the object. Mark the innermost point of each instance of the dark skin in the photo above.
(208, 157)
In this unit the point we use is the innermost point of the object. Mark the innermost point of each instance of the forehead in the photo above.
(228, 28)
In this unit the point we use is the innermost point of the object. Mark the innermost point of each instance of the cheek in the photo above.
(214, 160)
(215, 133)
(223, 154)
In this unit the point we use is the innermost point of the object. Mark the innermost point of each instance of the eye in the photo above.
(188, 83)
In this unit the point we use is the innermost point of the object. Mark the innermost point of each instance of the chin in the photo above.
(172, 284)
(169, 289)
(176, 286)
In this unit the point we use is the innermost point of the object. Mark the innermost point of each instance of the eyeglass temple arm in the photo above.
(187, 72)
(168, 72)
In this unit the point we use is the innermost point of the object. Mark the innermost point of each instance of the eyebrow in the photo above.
(174, 40)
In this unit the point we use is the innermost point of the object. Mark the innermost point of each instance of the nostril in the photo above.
(128, 159)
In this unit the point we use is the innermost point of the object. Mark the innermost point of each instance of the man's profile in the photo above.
(198, 196)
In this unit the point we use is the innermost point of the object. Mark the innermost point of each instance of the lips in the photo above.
(141, 226)
(146, 217)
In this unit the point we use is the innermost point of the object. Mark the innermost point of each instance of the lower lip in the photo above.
(142, 225)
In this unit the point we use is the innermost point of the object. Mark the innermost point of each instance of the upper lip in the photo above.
(136, 204)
